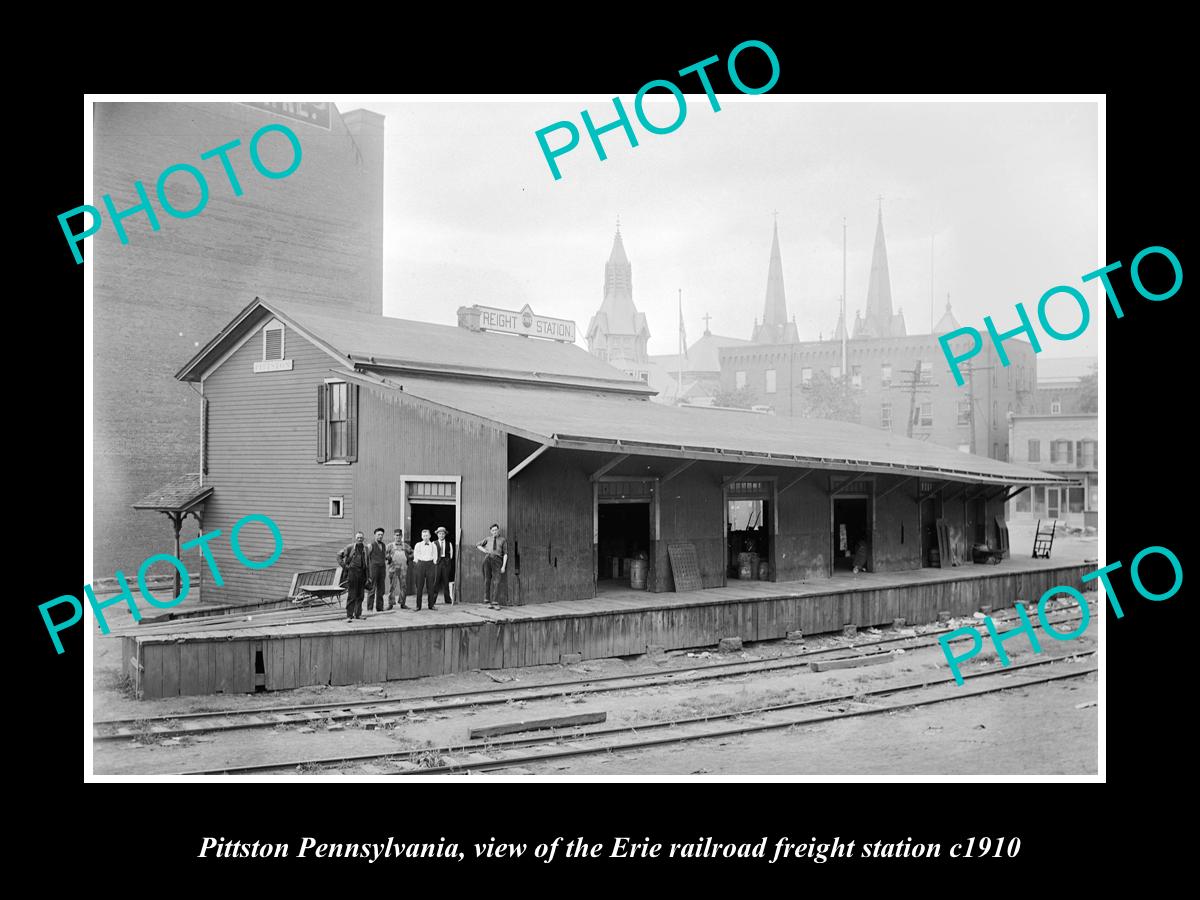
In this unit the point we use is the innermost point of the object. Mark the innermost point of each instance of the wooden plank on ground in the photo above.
(826, 665)
(538, 724)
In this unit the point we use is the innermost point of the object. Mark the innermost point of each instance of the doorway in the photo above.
(1053, 502)
(623, 534)
(748, 539)
(431, 515)
(852, 534)
(931, 511)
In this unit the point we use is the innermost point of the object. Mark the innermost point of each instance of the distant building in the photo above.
(618, 333)
(1060, 386)
(1064, 445)
(701, 368)
(900, 382)
(315, 236)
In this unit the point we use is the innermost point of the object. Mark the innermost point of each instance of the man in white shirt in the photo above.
(425, 556)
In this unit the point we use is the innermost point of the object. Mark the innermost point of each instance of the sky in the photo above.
(1007, 192)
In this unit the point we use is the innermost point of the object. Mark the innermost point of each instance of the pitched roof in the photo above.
(384, 342)
(703, 356)
(177, 495)
(632, 425)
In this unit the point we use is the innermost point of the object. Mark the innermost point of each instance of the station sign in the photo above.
(525, 322)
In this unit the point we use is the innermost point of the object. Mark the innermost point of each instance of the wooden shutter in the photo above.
(1070, 452)
(352, 422)
(322, 433)
(1079, 453)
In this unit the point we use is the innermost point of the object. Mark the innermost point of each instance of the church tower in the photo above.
(618, 333)
(879, 320)
(775, 327)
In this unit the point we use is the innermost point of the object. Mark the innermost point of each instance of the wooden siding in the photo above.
(805, 530)
(896, 543)
(400, 437)
(550, 522)
(262, 444)
(225, 661)
(691, 508)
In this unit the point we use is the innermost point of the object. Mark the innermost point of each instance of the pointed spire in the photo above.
(775, 308)
(879, 318)
(947, 322)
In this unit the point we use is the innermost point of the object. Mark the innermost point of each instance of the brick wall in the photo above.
(315, 236)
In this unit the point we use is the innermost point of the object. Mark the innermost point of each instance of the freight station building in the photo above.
(335, 421)
(331, 422)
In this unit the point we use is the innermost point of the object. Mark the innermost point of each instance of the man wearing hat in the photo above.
(444, 573)
(397, 554)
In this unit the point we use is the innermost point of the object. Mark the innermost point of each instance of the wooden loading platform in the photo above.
(274, 652)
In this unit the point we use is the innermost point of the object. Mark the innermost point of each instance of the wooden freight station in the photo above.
(744, 524)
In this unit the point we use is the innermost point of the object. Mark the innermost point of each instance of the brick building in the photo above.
(316, 236)
(1061, 387)
(1064, 445)
(894, 377)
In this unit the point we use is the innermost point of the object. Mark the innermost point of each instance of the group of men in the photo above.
(368, 567)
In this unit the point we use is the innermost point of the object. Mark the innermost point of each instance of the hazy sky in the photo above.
(1007, 190)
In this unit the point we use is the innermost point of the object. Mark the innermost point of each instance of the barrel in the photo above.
(764, 571)
(637, 574)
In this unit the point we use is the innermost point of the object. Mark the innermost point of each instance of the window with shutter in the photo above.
(322, 436)
(337, 422)
(273, 343)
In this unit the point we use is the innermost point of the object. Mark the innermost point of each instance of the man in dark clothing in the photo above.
(445, 567)
(377, 558)
(495, 559)
(353, 560)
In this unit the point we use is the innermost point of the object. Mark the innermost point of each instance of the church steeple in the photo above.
(947, 322)
(617, 332)
(879, 320)
(775, 327)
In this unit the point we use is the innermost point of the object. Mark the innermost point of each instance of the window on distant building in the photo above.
(856, 376)
(923, 414)
(1055, 408)
(806, 376)
(1061, 452)
(885, 374)
(1035, 451)
(1023, 501)
(1075, 499)
(835, 372)
(885, 415)
(337, 422)
(739, 379)
(926, 371)
(770, 381)
(646, 377)
(1086, 455)
(996, 450)
(602, 354)
(964, 412)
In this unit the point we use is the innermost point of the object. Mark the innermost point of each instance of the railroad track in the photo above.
(272, 717)
(497, 754)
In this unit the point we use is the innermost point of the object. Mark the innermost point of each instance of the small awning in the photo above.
(179, 495)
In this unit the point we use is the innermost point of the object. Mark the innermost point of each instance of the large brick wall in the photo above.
(315, 236)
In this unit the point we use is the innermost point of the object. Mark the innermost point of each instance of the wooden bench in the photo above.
(318, 586)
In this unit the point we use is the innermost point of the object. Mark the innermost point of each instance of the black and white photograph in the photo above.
(764, 446)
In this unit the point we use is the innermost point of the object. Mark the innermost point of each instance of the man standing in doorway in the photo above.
(353, 560)
(445, 566)
(495, 560)
(377, 559)
(397, 553)
(425, 562)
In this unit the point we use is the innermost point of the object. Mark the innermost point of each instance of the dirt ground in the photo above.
(1034, 730)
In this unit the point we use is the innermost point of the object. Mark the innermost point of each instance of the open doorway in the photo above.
(931, 511)
(623, 535)
(748, 539)
(431, 515)
(852, 534)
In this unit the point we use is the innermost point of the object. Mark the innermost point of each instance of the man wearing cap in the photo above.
(353, 560)
(495, 560)
(445, 567)
(377, 560)
(397, 554)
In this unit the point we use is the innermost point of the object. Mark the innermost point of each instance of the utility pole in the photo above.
(845, 324)
(914, 385)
